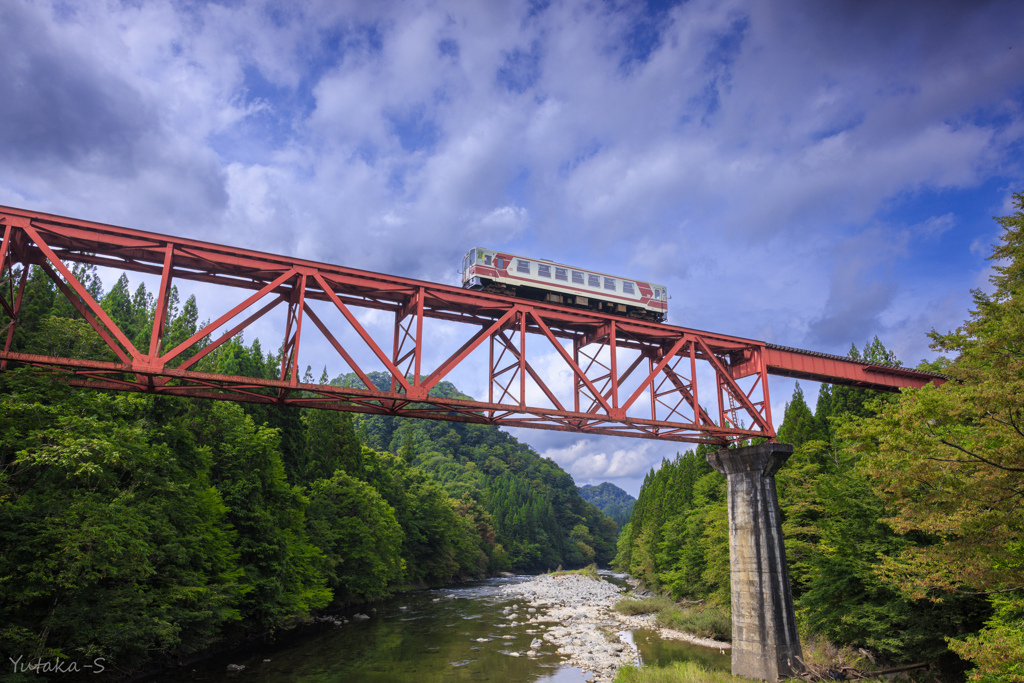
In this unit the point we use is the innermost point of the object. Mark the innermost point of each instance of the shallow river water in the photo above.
(451, 634)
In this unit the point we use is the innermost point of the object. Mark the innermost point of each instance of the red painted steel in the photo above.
(655, 396)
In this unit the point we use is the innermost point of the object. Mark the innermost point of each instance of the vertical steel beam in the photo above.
(396, 349)
(17, 309)
(654, 398)
(160, 318)
(290, 350)
(522, 358)
(490, 372)
(5, 248)
(697, 410)
(577, 384)
(764, 384)
(299, 308)
(612, 335)
(420, 296)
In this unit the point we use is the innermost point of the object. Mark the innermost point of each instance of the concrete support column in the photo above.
(764, 638)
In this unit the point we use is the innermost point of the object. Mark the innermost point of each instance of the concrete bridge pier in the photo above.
(765, 642)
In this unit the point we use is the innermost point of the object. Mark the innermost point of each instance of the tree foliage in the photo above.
(140, 527)
(611, 500)
(950, 460)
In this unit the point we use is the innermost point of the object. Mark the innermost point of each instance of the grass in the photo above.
(590, 571)
(632, 606)
(707, 622)
(677, 672)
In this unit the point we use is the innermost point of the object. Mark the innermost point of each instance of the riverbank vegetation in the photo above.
(706, 621)
(141, 528)
(677, 672)
(634, 606)
(901, 513)
(590, 571)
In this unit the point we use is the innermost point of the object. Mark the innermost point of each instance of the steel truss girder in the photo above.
(626, 377)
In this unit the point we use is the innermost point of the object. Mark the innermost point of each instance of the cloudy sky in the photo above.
(806, 173)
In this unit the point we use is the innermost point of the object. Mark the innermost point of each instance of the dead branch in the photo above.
(813, 674)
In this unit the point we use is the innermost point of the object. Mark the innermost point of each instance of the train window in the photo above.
(543, 270)
(577, 277)
(487, 259)
(657, 294)
(627, 287)
(472, 256)
(522, 266)
(593, 281)
(561, 274)
(609, 283)
(499, 262)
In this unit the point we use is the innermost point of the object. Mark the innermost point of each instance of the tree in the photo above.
(283, 573)
(330, 445)
(113, 542)
(950, 460)
(359, 536)
(798, 424)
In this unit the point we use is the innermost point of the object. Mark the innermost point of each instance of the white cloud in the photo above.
(786, 170)
(586, 463)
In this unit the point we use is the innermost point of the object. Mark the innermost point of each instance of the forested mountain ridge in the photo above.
(539, 516)
(611, 500)
(135, 527)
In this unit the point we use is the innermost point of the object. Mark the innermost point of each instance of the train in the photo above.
(490, 270)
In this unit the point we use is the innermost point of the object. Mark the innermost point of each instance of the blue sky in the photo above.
(810, 174)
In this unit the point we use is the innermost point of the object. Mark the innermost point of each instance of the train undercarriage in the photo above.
(573, 300)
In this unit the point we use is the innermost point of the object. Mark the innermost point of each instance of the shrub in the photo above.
(633, 606)
(710, 622)
(590, 571)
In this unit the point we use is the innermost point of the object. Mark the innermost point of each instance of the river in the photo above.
(451, 634)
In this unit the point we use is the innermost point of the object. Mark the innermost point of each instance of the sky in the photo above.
(805, 173)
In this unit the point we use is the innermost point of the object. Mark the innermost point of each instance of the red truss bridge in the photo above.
(544, 366)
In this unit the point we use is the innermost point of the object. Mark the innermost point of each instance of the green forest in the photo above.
(901, 512)
(140, 528)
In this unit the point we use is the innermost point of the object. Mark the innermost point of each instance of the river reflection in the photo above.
(654, 651)
(452, 634)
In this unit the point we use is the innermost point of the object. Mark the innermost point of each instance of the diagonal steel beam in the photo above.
(466, 349)
(381, 356)
(211, 327)
(726, 378)
(86, 312)
(572, 364)
(82, 292)
(339, 348)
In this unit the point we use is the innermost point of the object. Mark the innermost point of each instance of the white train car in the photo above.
(542, 280)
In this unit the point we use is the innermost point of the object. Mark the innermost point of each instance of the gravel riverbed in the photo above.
(575, 617)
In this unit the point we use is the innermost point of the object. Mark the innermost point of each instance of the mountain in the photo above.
(611, 500)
